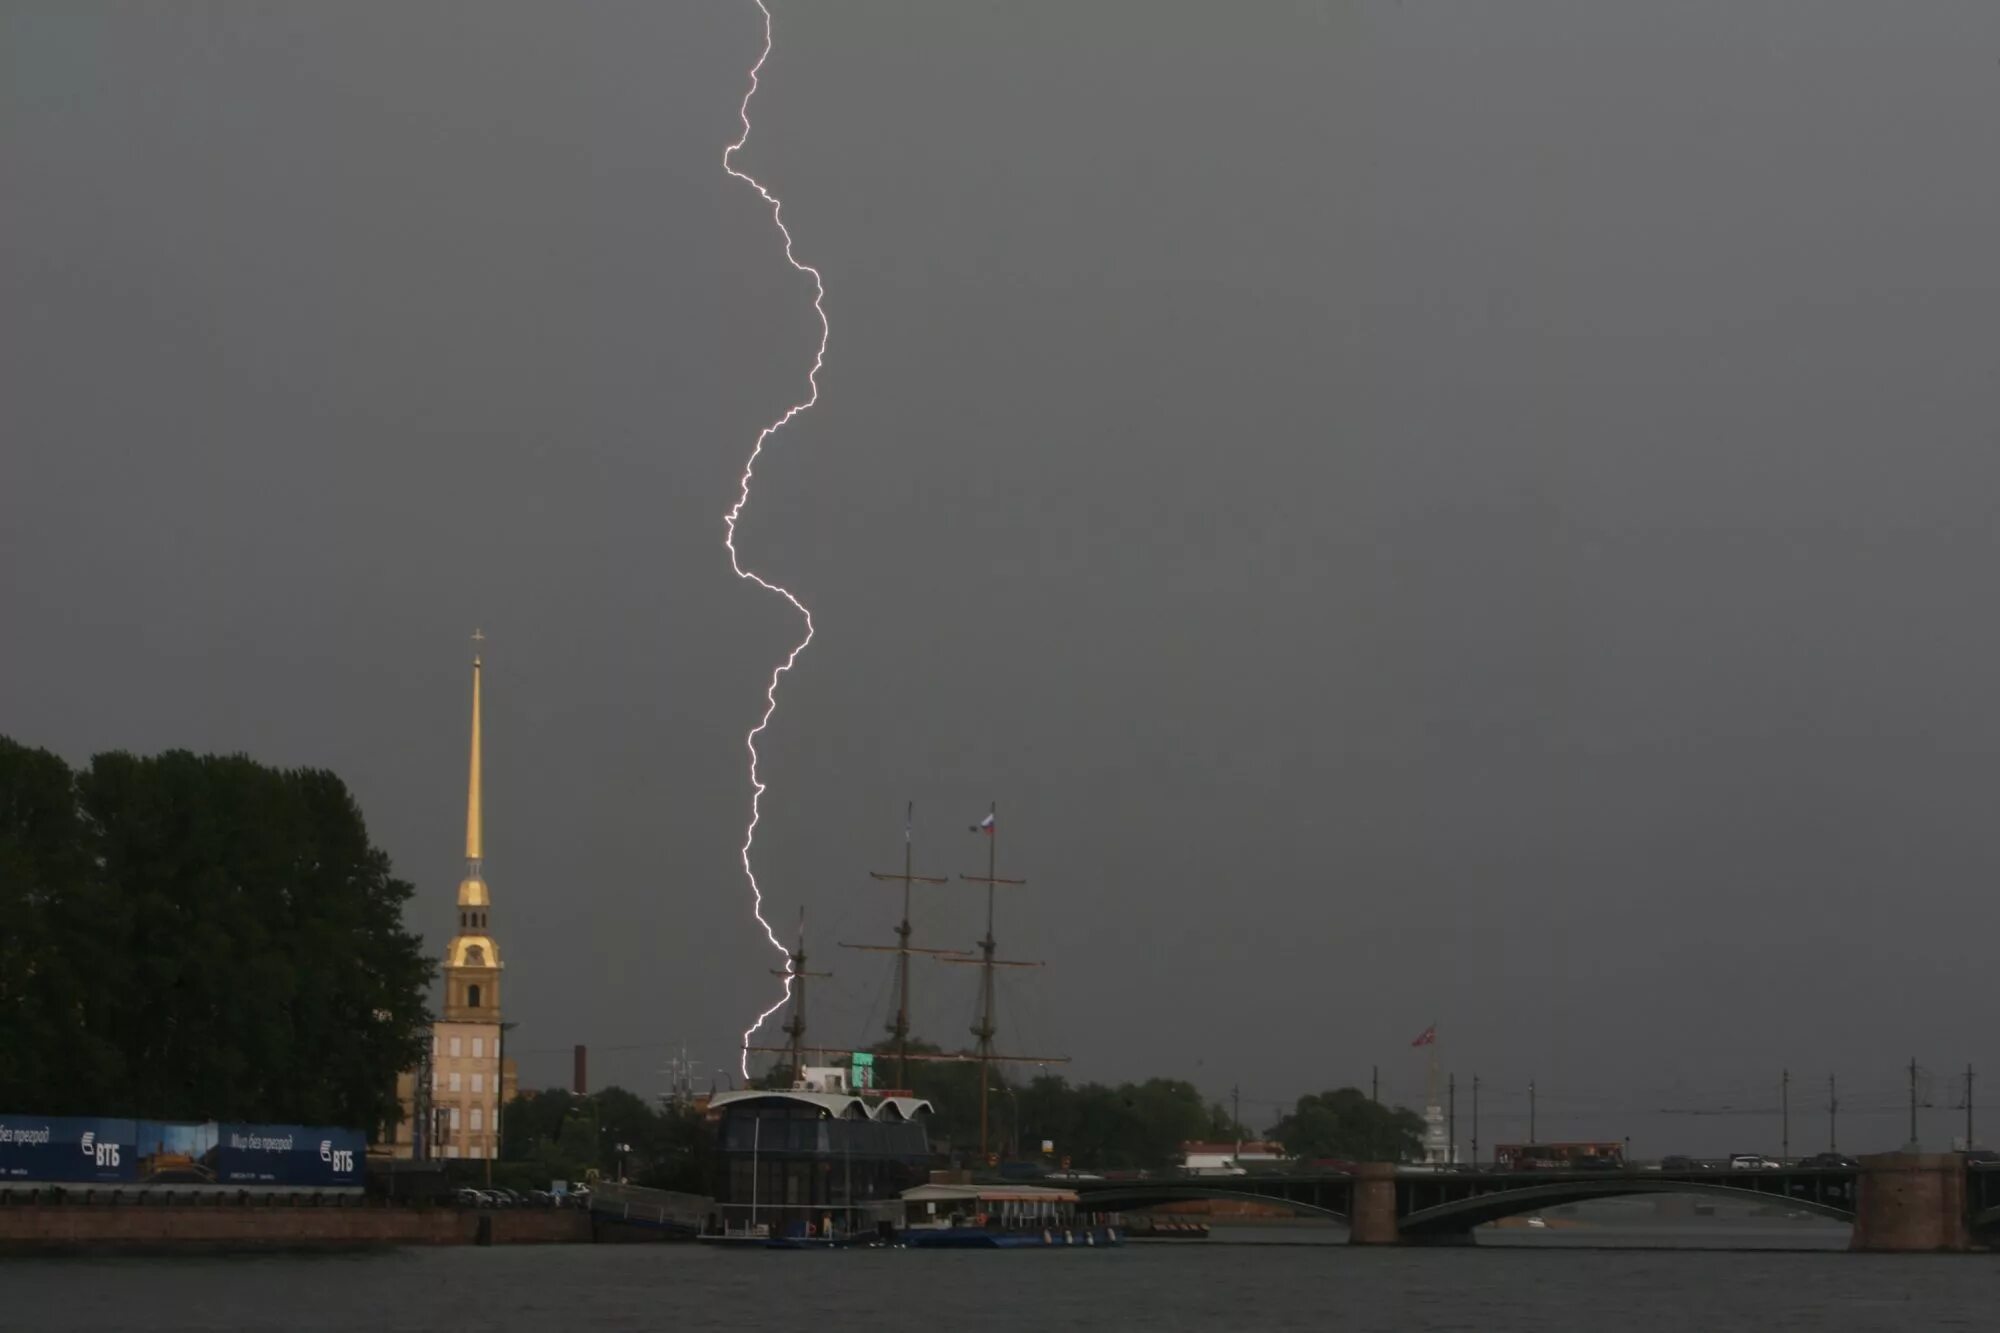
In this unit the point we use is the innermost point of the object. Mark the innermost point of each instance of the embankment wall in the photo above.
(88, 1229)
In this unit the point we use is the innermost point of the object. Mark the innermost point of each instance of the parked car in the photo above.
(541, 1198)
(470, 1198)
(1751, 1161)
(1679, 1163)
(1829, 1160)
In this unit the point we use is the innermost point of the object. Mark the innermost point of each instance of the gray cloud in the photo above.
(1417, 512)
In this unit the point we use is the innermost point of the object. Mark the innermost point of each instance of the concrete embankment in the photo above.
(100, 1229)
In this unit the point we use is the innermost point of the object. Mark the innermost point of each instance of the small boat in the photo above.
(808, 1243)
(945, 1216)
(985, 1238)
(1535, 1220)
(797, 1238)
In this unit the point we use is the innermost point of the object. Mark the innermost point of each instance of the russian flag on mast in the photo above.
(985, 825)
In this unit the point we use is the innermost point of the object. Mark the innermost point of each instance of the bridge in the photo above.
(1895, 1201)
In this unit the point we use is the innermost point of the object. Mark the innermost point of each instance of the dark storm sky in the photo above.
(1462, 512)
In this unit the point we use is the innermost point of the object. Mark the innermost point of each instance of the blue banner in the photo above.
(307, 1156)
(68, 1149)
(93, 1150)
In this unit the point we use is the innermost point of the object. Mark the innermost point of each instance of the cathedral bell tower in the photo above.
(472, 959)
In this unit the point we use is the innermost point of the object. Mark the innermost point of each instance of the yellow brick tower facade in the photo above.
(468, 1075)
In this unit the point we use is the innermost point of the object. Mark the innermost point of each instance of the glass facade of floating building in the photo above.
(797, 1162)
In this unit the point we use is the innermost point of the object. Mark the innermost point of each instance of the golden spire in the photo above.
(472, 893)
(472, 958)
(472, 852)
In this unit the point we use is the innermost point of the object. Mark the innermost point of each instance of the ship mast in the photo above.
(987, 1026)
(795, 975)
(795, 1024)
(985, 1029)
(899, 1029)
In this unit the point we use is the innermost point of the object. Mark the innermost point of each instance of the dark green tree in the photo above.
(1127, 1127)
(207, 937)
(565, 1136)
(775, 1079)
(1349, 1125)
(625, 1117)
(59, 944)
(687, 1156)
(952, 1088)
(534, 1122)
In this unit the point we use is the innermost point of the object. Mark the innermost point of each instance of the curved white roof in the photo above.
(839, 1105)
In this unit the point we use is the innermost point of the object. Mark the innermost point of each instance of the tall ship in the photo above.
(839, 1159)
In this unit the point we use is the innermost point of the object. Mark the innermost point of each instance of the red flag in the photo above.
(1429, 1037)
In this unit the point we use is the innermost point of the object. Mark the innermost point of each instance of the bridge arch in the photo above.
(1478, 1209)
(1150, 1196)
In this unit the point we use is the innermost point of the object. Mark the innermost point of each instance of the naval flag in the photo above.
(985, 825)
(1429, 1037)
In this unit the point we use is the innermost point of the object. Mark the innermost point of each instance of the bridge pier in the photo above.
(1912, 1203)
(1371, 1218)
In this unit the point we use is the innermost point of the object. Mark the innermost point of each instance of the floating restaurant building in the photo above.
(799, 1161)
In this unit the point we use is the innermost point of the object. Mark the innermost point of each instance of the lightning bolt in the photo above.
(736, 511)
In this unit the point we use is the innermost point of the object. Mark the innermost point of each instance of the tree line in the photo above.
(1127, 1126)
(556, 1135)
(203, 937)
(196, 937)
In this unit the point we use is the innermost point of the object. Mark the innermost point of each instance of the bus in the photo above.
(1559, 1156)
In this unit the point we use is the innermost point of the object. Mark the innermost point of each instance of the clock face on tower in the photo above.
(475, 956)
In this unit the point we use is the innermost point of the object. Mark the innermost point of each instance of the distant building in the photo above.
(1229, 1159)
(451, 1101)
(1439, 1150)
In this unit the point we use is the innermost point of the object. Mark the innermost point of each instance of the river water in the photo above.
(1279, 1279)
